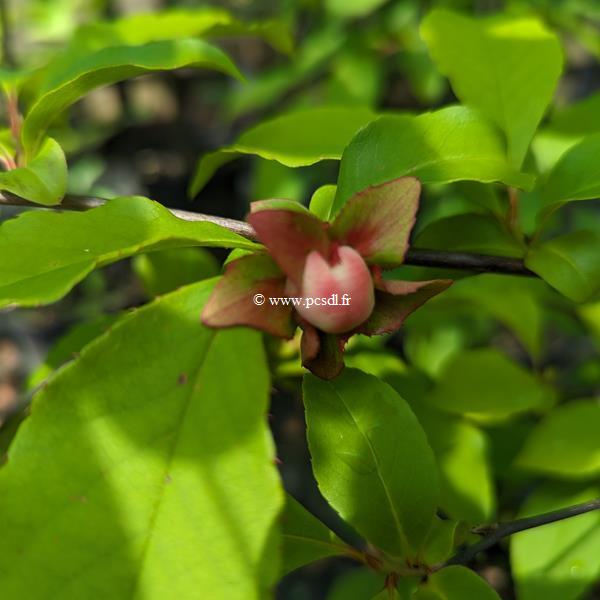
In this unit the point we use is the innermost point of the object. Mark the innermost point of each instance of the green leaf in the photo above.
(371, 459)
(569, 263)
(352, 8)
(462, 453)
(43, 180)
(506, 299)
(111, 65)
(178, 23)
(574, 177)
(440, 541)
(455, 583)
(486, 385)
(506, 67)
(158, 440)
(565, 443)
(166, 270)
(68, 346)
(46, 254)
(305, 538)
(322, 201)
(559, 561)
(480, 234)
(295, 139)
(356, 584)
(451, 144)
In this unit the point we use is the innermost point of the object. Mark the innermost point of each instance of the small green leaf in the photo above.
(295, 139)
(305, 538)
(166, 270)
(569, 263)
(559, 561)
(455, 583)
(43, 180)
(485, 384)
(371, 459)
(155, 424)
(110, 65)
(506, 67)
(451, 144)
(45, 254)
(480, 234)
(322, 201)
(565, 443)
(574, 177)
(441, 541)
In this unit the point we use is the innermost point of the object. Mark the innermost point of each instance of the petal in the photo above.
(322, 353)
(396, 300)
(377, 221)
(289, 235)
(233, 303)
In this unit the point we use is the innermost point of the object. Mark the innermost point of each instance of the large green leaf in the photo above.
(569, 263)
(449, 144)
(565, 444)
(574, 177)
(561, 560)
(45, 254)
(352, 8)
(43, 179)
(145, 469)
(455, 583)
(506, 67)
(110, 65)
(305, 538)
(487, 385)
(296, 139)
(371, 459)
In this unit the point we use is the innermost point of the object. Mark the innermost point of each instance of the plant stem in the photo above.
(502, 530)
(440, 259)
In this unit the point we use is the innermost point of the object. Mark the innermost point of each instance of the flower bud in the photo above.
(347, 281)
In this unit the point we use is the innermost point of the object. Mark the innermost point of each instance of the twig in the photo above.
(417, 257)
(502, 530)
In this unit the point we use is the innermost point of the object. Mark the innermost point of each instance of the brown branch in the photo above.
(440, 259)
(501, 530)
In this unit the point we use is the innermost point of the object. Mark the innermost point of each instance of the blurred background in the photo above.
(145, 136)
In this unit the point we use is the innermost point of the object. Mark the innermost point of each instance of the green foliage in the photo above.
(569, 263)
(455, 583)
(166, 270)
(488, 386)
(43, 180)
(565, 443)
(362, 464)
(305, 538)
(130, 471)
(293, 140)
(508, 68)
(450, 144)
(110, 65)
(47, 254)
(574, 177)
(561, 560)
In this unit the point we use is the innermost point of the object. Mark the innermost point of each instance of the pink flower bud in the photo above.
(346, 281)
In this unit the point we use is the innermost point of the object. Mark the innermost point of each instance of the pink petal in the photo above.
(378, 220)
